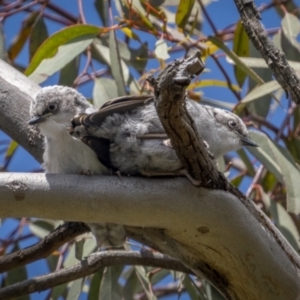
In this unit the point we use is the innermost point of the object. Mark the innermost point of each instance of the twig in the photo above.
(277, 62)
(228, 80)
(169, 101)
(43, 248)
(81, 13)
(90, 265)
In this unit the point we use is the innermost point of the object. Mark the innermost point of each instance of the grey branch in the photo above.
(282, 71)
(169, 94)
(215, 233)
(16, 93)
(210, 231)
(43, 248)
(90, 265)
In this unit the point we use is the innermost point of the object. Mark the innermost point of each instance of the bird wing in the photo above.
(118, 105)
(101, 147)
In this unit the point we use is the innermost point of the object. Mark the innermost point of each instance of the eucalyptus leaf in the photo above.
(23, 36)
(3, 53)
(17, 275)
(104, 89)
(116, 66)
(241, 49)
(110, 287)
(71, 36)
(183, 12)
(285, 224)
(95, 285)
(262, 90)
(39, 34)
(262, 106)
(69, 72)
(279, 161)
(131, 286)
(102, 9)
(75, 289)
(264, 153)
(161, 50)
(102, 53)
(290, 30)
(191, 288)
(64, 55)
(79, 249)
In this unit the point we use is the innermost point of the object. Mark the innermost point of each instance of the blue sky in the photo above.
(224, 14)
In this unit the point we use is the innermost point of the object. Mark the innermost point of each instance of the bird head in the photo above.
(230, 133)
(53, 108)
(234, 131)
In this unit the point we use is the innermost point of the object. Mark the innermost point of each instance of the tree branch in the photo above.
(90, 265)
(43, 248)
(216, 233)
(282, 71)
(16, 92)
(169, 90)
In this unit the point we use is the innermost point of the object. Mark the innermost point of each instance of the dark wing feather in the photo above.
(118, 105)
(101, 147)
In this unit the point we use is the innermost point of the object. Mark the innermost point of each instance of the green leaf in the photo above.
(75, 289)
(110, 289)
(184, 10)
(262, 90)
(212, 82)
(59, 292)
(264, 153)
(161, 49)
(60, 48)
(249, 165)
(69, 72)
(136, 58)
(3, 53)
(254, 62)
(11, 149)
(40, 228)
(39, 34)
(102, 9)
(95, 285)
(285, 224)
(102, 54)
(237, 180)
(131, 286)
(241, 49)
(89, 247)
(279, 161)
(238, 61)
(79, 249)
(262, 106)
(129, 33)
(190, 287)
(116, 66)
(290, 30)
(104, 89)
(291, 178)
(145, 282)
(142, 14)
(17, 275)
(23, 35)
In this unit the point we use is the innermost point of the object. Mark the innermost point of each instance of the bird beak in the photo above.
(35, 120)
(247, 142)
(38, 119)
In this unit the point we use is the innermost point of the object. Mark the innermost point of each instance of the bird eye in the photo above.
(232, 123)
(52, 106)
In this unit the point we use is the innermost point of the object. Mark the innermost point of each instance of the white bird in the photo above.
(125, 135)
(52, 109)
(128, 136)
